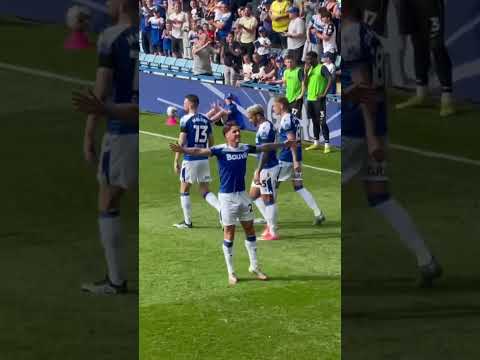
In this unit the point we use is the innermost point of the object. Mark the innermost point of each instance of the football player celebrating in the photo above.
(425, 22)
(234, 202)
(364, 131)
(262, 190)
(195, 131)
(117, 76)
(291, 159)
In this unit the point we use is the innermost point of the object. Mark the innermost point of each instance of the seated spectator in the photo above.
(257, 67)
(247, 68)
(202, 52)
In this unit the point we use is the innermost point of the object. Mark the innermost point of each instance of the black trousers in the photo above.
(425, 22)
(297, 54)
(317, 112)
(295, 107)
(146, 42)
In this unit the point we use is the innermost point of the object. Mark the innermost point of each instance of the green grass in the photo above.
(48, 239)
(383, 315)
(187, 310)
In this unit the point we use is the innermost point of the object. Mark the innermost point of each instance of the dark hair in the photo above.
(312, 54)
(282, 100)
(228, 126)
(290, 56)
(193, 99)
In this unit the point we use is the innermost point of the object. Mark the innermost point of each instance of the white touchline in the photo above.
(304, 165)
(72, 80)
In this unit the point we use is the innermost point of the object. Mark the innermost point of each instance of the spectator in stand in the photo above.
(328, 59)
(329, 33)
(247, 68)
(167, 39)
(232, 60)
(223, 21)
(236, 29)
(178, 19)
(248, 25)
(280, 20)
(157, 25)
(263, 44)
(196, 11)
(192, 38)
(296, 34)
(202, 53)
(145, 28)
(292, 81)
(264, 17)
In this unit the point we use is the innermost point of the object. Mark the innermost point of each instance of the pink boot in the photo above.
(77, 40)
(171, 121)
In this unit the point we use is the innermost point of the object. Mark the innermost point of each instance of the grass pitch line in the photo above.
(304, 165)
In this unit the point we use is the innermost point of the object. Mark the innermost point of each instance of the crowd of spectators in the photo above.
(250, 39)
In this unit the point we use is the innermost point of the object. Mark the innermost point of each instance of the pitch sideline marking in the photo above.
(68, 79)
(304, 165)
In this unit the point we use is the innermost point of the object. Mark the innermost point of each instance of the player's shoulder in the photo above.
(286, 121)
(185, 119)
(111, 34)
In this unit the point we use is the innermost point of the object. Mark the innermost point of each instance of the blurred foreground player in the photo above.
(364, 132)
(117, 76)
(235, 204)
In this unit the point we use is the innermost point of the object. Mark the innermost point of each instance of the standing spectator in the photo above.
(329, 33)
(156, 29)
(280, 20)
(145, 29)
(202, 52)
(262, 44)
(192, 36)
(223, 22)
(167, 39)
(248, 25)
(178, 19)
(317, 82)
(292, 80)
(196, 12)
(265, 19)
(232, 60)
(328, 59)
(296, 34)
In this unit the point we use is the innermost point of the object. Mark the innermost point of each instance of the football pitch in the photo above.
(187, 310)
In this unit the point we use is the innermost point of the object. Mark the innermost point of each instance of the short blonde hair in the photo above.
(254, 110)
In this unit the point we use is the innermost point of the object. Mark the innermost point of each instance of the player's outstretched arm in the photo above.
(190, 151)
(275, 146)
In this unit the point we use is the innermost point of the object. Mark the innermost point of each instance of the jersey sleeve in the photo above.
(287, 125)
(263, 132)
(252, 149)
(184, 124)
(325, 73)
(216, 151)
(105, 52)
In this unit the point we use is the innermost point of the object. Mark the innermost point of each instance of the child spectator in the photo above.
(167, 39)
(157, 26)
(263, 44)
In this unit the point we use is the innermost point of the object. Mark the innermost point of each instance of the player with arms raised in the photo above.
(195, 131)
(364, 131)
(234, 202)
(263, 187)
(117, 77)
(291, 159)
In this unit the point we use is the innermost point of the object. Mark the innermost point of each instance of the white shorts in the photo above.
(195, 171)
(286, 172)
(235, 206)
(355, 160)
(118, 165)
(268, 180)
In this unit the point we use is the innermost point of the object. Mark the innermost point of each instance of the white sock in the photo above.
(401, 222)
(316, 142)
(271, 217)
(309, 200)
(109, 226)
(186, 207)
(228, 254)
(421, 91)
(251, 246)
(212, 200)
(446, 98)
(261, 207)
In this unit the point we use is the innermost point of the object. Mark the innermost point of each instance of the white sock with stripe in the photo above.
(186, 207)
(110, 235)
(228, 254)
(251, 246)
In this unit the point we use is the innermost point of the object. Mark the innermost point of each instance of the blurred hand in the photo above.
(176, 167)
(89, 151)
(256, 177)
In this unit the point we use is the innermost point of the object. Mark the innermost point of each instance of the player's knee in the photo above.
(378, 198)
(268, 200)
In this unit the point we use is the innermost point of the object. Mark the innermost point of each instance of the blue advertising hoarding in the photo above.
(159, 92)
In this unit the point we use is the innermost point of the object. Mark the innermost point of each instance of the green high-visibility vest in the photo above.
(316, 83)
(293, 85)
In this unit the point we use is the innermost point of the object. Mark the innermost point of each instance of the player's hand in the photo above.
(256, 177)
(376, 150)
(88, 103)
(89, 151)
(297, 167)
(176, 148)
(360, 94)
(176, 167)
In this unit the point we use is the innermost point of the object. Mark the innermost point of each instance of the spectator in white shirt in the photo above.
(296, 34)
(178, 19)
